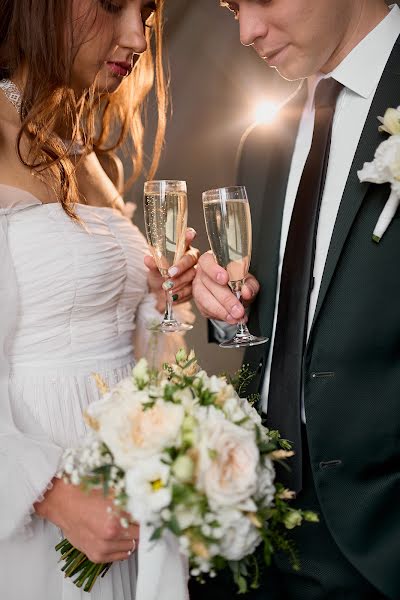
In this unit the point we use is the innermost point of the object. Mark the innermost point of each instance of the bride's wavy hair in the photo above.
(33, 34)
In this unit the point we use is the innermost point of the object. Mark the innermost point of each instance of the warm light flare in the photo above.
(265, 111)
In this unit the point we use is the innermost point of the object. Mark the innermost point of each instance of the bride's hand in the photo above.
(182, 276)
(87, 523)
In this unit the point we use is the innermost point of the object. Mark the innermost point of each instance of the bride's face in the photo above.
(296, 37)
(110, 37)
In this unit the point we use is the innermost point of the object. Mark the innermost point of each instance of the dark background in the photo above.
(215, 84)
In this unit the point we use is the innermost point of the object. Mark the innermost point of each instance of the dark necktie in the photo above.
(286, 379)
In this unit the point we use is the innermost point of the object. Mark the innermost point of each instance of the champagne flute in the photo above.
(165, 215)
(228, 224)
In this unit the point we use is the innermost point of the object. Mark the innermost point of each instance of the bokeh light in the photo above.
(265, 111)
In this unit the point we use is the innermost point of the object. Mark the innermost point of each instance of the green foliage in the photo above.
(241, 379)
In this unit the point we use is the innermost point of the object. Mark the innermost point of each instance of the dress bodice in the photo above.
(79, 286)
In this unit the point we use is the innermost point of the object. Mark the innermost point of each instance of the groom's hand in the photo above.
(213, 296)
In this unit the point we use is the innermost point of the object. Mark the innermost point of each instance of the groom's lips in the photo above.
(273, 56)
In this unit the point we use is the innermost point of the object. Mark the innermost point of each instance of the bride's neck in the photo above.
(62, 128)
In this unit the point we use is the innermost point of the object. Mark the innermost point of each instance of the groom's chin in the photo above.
(293, 72)
(290, 76)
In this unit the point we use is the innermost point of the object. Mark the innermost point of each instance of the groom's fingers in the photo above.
(250, 289)
(216, 301)
(188, 261)
(212, 270)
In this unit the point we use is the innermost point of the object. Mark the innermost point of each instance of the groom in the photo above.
(326, 295)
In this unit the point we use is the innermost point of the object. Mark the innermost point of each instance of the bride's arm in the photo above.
(28, 459)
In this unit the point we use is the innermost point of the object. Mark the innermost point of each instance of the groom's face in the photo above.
(296, 37)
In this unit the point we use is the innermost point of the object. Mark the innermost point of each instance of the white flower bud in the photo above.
(183, 468)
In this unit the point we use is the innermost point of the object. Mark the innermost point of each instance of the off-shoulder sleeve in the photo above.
(158, 347)
(28, 460)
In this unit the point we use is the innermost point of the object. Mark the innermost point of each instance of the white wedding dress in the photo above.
(73, 302)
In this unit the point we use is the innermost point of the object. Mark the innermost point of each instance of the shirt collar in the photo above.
(361, 70)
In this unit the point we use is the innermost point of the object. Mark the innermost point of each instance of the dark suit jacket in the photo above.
(352, 358)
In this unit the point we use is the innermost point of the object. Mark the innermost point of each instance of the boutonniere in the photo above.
(385, 168)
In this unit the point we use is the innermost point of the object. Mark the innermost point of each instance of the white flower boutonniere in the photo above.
(385, 168)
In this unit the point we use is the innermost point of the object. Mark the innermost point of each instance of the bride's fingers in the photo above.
(185, 279)
(121, 546)
(129, 533)
(183, 295)
(150, 263)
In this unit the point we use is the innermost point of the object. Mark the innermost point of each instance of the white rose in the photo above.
(147, 489)
(122, 395)
(228, 460)
(240, 537)
(385, 168)
(133, 432)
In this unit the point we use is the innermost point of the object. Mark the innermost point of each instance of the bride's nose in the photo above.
(131, 32)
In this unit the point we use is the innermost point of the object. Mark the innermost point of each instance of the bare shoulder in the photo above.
(12, 171)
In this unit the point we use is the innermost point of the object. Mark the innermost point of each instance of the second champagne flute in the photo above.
(228, 224)
(165, 215)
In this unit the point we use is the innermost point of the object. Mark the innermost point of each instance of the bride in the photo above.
(74, 289)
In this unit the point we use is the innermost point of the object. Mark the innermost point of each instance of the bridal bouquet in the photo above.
(181, 452)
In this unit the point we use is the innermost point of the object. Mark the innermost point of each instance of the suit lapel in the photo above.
(387, 94)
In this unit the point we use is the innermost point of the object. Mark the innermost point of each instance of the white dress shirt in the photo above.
(360, 73)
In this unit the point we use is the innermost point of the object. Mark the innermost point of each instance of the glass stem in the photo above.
(241, 328)
(168, 306)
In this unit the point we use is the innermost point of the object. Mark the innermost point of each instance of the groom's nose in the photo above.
(252, 24)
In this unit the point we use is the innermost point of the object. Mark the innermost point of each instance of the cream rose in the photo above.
(133, 432)
(227, 469)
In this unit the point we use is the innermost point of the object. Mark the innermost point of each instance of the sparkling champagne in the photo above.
(166, 221)
(229, 232)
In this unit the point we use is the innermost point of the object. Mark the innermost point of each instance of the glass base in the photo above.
(171, 327)
(241, 341)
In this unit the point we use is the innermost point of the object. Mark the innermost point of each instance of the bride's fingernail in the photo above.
(175, 297)
(168, 285)
(173, 271)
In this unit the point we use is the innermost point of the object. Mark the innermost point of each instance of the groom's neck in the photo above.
(367, 15)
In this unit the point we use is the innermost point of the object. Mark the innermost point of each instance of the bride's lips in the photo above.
(120, 69)
(273, 58)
